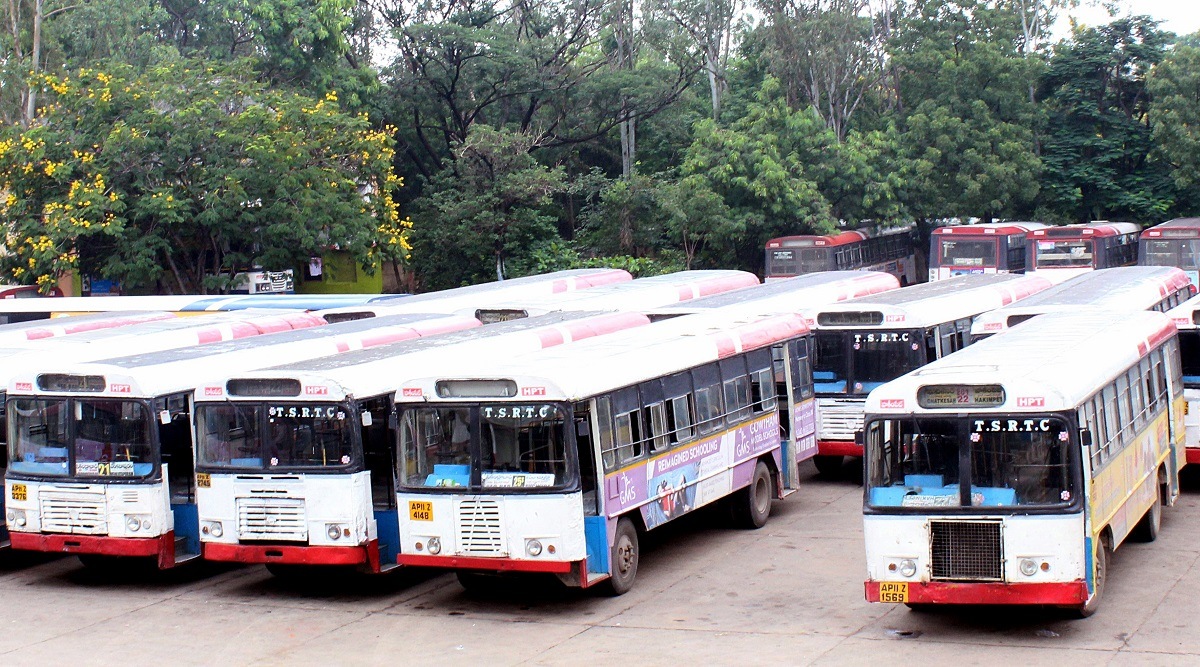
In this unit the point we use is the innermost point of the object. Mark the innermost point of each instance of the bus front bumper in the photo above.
(300, 554)
(99, 545)
(839, 448)
(917, 592)
(492, 564)
(1193, 454)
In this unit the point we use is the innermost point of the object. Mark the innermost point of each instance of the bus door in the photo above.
(174, 415)
(1174, 422)
(379, 461)
(595, 525)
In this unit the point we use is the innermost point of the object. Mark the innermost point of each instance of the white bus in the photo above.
(1068, 250)
(266, 495)
(1119, 290)
(860, 344)
(556, 461)
(100, 453)
(1186, 317)
(1009, 472)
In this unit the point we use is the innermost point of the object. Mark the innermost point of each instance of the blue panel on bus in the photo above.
(387, 527)
(595, 531)
(187, 526)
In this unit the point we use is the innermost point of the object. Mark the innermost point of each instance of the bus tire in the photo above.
(1147, 529)
(1102, 557)
(752, 505)
(828, 466)
(623, 559)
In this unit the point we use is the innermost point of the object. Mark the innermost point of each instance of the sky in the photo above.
(1178, 16)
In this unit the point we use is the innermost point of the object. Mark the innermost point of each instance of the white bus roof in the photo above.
(1054, 362)
(20, 333)
(792, 295)
(377, 371)
(989, 228)
(182, 369)
(1119, 289)
(462, 299)
(640, 294)
(621, 359)
(929, 304)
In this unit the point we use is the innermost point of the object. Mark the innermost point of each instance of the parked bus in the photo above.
(1186, 317)
(1069, 250)
(264, 501)
(862, 343)
(556, 461)
(19, 333)
(1173, 243)
(891, 251)
(1009, 473)
(100, 453)
(1119, 290)
(991, 247)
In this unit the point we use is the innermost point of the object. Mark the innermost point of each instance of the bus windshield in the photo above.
(1182, 253)
(969, 252)
(1014, 460)
(855, 362)
(275, 436)
(64, 437)
(507, 445)
(1052, 254)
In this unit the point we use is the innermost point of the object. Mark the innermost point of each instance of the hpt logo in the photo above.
(533, 391)
(1031, 402)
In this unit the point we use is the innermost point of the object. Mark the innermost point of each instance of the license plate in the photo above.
(420, 510)
(203, 480)
(19, 492)
(893, 591)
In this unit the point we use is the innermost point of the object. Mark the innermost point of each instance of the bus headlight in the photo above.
(434, 545)
(135, 523)
(17, 518)
(211, 528)
(533, 548)
(1028, 567)
(908, 567)
(333, 530)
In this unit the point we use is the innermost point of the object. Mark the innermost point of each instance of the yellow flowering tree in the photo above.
(176, 178)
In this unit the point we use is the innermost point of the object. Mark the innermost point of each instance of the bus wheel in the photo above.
(1102, 556)
(1147, 529)
(828, 466)
(624, 558)
(752, 505)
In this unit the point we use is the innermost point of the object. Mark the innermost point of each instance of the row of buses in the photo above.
(490, 433)
(1009, 247)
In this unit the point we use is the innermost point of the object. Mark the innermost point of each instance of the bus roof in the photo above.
(928, 304)
(989, 228)
(1122, 288)
(1185, 314)
(1185, 228)
(817, 240)
(184, 303)
(182, 369)
(793, 295)
(23, 332)
(635, 295)
(471, 297)
(1054, 362)
(1088, 230)
(620, 359)
(375, 371)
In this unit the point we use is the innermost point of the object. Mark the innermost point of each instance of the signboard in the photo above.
(960, 396)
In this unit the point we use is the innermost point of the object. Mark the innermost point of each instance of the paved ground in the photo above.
(790, 593)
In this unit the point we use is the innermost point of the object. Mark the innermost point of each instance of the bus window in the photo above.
(522, 445)
(707, 380)
(656, 417)
(1030, 461)
(587, 460)
(605, 429)
(763, 391)
(831, 366)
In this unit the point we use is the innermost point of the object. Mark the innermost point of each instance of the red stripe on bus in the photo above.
(446, 325)
(550, 338)
(839, 448)
(93, 544)
(604, 324)
(243, 330)
(1193, 454)
(296, 555)
(1064, 593)
(493, 564)
(343, 347)
(209, 336)
(725, 284)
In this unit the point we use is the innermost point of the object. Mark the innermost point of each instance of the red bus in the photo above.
(1073, 249)
(990, 247)
(890, 251)
(1173, 243)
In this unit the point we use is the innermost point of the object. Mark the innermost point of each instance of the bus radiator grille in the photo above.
(479, 528)
(839, 418)
(272, 519)
(77, 512)
(966, 551)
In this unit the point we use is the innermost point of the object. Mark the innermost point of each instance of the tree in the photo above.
(1097, 150)
(176, 178)
(1174, 85)
(484, 212)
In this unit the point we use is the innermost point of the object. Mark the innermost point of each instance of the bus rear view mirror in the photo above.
(1085, 437)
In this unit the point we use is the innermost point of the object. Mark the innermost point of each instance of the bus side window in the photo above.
(763, 391)
(931, 345)
(736, 386)
(604, 428)
(653, 415)
(656, 418)
(681, 418)
(1112, 425)
(627, 424)
(1124, 406)
(707, 380)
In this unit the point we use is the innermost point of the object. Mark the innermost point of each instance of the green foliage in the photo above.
(483, 211)
(1097, 150)
(1175, 112)
(175, 178)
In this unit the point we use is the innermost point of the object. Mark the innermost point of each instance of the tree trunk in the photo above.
(36, 54)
